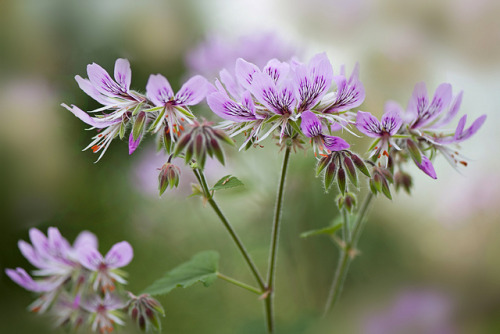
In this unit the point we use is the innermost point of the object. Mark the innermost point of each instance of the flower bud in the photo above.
(348, 202)
(360, 165)
(329, 174)
(414, 151)
(168, 177)
(351, 171)
(341, 180)
(145, 311)
(403, 179)
(138, 126)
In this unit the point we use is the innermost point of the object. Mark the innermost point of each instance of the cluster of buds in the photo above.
(200, 141)
(380, 180)
(169, 177)
(76, 284)
(145, 311)
(337, 165)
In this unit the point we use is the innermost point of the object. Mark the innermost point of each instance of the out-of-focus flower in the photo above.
(104, 268)
(145, 311)
(71, 278)
(217, 53)
(414, 312)
(104, 312)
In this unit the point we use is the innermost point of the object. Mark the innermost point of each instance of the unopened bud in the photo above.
(348, 202)
(341, 180)
(360, 165)
(414, 151)
(404, 180)
(138, 126)
(146, 312)
(329, 175)
(168, 177)
(351, 171)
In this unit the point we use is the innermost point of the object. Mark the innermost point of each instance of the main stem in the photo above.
(273, 255)
(345, 256)
(253, 268)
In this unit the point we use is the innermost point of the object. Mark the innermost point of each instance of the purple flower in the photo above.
(312, 81)
(312, 128)
(382, 130)
(217, 53)
(118, 256)
(114, 95)
(175, 110)
(104, 312)
(350, 93)
(426, 118)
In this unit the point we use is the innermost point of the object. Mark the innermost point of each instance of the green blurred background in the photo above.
(433, 257)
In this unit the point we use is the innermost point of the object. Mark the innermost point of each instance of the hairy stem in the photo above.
(253, 268)
(273, 254)
(345, 257)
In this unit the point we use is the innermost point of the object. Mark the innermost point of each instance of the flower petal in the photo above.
(101, 80)
(335, 143)
(368, 124)
(123, 73)
(39, 242)
(133, 144)
(89, 257)
(21, 277)
(452, 112)
(91, 91)
(427, 167)
(193, 91)
(86, 118)
(277, 70)
(461, 135)
(312, 81)
(440, 101)
(418, 102)
(31, 255)
(85, 239)
(350, 93)
(310, 125)
(278, 100)
(158, 89)
(245, 72)
(391, 120)
(119, 255)
(228, 109)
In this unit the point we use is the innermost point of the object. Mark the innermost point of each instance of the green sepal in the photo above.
(181, 144)
(360, 165)
(227, 182)
(374, 144)
(153, 109)
(295, 126)
(386, 190)
(138, 126)
(217, 150)
(414, 151)
(123, 129)
(202, 268)
(351, 171)
(329, 175)
(137, 109)
(157, 120)
(185, 112)
(322, 163)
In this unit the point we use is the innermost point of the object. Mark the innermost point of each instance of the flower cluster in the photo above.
(292, 97)
(75, 283)
(405, 135)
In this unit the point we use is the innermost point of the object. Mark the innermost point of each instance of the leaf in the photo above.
(201, 268)
(337, 224)
(227, 182)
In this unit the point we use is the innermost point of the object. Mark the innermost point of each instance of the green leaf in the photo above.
(227, 182)
(201, 268)
(337, 224)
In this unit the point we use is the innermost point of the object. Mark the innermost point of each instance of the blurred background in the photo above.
(429, 263)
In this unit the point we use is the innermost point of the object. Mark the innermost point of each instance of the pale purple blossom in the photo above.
(383, 130)
(116, 97)
(312, 128)
(350, 93)
(174, 110)
(118, 256)
(426, 119)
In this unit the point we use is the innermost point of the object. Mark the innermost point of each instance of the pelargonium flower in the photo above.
(257, 101)
(174, 107)
(312, 128)
(350, 93)
(106, 267)
(105, 312)
(425, 120)
(383, 130)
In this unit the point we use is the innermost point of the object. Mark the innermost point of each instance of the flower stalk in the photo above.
(273, 254)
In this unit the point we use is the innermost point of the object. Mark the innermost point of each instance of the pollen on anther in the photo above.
(95, 148)
(464, 163)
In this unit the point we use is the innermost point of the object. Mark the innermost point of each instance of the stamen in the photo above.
(95, 148)
(464, 163)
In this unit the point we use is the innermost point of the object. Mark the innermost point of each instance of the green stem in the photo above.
(345, 256)
(274, 243)
(240, 284)
(253, 268)
(346, 233)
